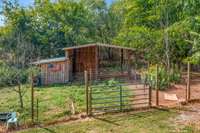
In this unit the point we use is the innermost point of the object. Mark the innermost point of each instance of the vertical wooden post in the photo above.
(129, 64)
(90, 101)
(90, 93)
(90, 77)
(32, 98)
(97, 62)
(120, 94)
(186, 92)
(150, 95)
(188, 82)
(37, 111)
(86, 91)
(150, 90)
(46, 75)
(157, 88)
(144, 83)
(121, 59)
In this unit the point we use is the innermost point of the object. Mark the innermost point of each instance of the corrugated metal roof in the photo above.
(100, 45)
(44, 61)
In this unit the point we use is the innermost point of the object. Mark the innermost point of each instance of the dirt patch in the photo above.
(2, 128)
(177, 89)
(189, 114)
(180, 91)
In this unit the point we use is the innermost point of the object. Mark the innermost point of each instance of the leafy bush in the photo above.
(111, 82)
(11, 76)
(165, 78)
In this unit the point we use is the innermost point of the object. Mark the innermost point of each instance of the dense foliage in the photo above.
(167, 31)
(161, 28)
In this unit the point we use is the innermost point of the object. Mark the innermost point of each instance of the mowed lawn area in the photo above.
(153, 121)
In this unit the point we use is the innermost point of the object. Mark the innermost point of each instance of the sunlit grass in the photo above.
(155, 121)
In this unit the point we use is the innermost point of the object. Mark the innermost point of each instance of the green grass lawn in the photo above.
(53, 101)
(155, 121)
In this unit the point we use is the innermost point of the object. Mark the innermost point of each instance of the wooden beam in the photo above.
(32, 98)
(121, 59)
(129, 63)
(86, 91)
(157, 88)
(97, 62)
(74, 64)
(100, 45)
(188, 82)
(46, 74)
(150, 96)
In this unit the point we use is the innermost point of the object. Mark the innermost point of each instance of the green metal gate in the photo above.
(118, 98)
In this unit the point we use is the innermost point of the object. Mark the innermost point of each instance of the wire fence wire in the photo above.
(116, 94)
(191, 81)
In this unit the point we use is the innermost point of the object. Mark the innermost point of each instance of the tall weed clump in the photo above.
(165, 77)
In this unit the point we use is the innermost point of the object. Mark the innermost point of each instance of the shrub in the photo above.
(111, 82)
(165, 78)
(11, 76)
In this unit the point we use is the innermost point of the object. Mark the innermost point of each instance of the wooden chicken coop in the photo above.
(102, 60)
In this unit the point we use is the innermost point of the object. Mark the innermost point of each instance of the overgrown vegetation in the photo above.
(53, 102)
(160, 76)
(165, 31)
(168, 31)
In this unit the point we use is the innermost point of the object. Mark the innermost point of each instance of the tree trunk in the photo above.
(164, 25)
(167, 49)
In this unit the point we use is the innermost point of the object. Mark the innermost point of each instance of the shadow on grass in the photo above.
(118, 117)
(49, 130)
(107, 121)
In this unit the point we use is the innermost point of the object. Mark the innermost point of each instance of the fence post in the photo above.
(86, 90)
(150, 94)
(120, 94)
(188, 82)
(90, 101)
(37, 111)
(90, 77)
(144, 83)
(157, 91)
(32, 98)
(90, 93)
